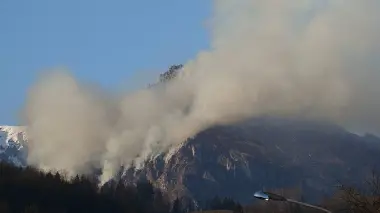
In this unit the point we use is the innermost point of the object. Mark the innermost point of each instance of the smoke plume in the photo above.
(316, 59)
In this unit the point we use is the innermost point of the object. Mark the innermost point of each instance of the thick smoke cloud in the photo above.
(312, 58)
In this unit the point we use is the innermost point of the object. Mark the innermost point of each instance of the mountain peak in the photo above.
(12, 142)
(12, 134)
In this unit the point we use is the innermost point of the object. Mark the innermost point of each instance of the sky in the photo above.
(110, 43)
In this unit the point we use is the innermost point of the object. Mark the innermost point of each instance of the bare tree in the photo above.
(363, 201)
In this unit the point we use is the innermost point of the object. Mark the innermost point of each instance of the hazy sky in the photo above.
(106, 42)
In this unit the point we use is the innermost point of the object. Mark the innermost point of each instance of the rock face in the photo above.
(235, 161)
(13, 142)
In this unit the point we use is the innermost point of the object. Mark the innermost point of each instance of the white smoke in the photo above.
(310, 58)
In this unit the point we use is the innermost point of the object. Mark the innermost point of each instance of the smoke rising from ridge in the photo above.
(315, 59)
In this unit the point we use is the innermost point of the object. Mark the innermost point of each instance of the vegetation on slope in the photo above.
(28, 190)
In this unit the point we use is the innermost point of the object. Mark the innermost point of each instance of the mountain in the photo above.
(13, 145)
(236, 160)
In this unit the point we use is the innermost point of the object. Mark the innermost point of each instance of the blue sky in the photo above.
(106, 42)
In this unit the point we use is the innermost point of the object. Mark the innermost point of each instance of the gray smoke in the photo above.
(311, 58)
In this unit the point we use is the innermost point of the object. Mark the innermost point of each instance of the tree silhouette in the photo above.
(28, 190)
(171, 73)
(363, 201)
(176, 206)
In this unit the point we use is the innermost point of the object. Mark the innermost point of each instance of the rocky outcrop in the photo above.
(235, 161)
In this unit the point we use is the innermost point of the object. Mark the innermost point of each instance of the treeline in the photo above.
(168, 75)
(28, 190)
(223, 204)
(171, 73)
(217, 203)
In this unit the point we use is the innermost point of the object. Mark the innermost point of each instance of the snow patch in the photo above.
(193, 150)
(12, 136)
(13, 140)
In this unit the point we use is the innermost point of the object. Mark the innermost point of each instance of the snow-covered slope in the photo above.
(13, 142)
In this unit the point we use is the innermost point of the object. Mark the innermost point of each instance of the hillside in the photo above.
(235, 161)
